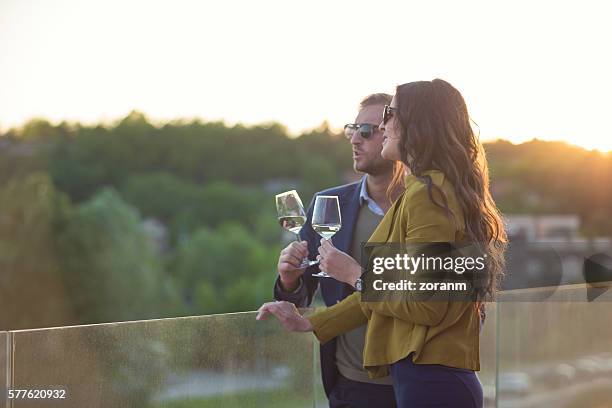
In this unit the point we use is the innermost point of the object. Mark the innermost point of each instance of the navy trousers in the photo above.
(434, 386)
(354, 394)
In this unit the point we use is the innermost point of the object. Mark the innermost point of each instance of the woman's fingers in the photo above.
(263, 311)
(282, 310)
(278, 309)
(290, 317)
(326, 254)
(262, 315)
(286, 313)
(266, 309)
(327, 243)
(322, 262)
(325, 250)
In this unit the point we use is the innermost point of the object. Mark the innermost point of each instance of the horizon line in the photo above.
(160, 123)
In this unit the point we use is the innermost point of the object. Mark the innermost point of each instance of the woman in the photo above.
(431, 349)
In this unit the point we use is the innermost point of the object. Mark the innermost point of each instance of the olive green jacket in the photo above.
(438, 332)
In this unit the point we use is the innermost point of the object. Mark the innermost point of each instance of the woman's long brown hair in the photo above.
(436, 134)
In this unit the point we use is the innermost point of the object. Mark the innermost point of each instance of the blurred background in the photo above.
(134, 221)
(142, 144)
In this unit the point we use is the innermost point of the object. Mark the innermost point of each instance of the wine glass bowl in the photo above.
(326, 220)
(292, 217)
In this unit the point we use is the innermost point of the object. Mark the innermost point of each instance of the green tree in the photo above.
(110, 266)
(31, 212)
(222, 270)
(161, 195)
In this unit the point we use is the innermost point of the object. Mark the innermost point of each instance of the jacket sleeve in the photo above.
(331, 321)
(299, 297)
(426, 223)
(303, 295)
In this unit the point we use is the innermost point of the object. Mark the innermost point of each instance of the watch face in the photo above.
(358, 285)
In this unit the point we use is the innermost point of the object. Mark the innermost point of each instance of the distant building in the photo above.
(545, 227)
(157, 233)
(548, 250)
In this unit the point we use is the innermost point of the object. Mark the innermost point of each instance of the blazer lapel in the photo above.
(349, 209)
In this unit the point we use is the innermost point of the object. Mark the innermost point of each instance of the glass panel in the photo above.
(555, 350)
(319, 392)
(550, 353)
(488, 360)
(205, 361)
(4, 367)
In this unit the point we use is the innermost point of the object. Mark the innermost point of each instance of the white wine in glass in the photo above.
(292, 217)
(326, 230)
(326, 220)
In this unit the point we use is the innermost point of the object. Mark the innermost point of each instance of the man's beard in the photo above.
(373, 167)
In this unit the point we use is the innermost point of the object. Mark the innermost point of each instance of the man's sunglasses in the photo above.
(365, 130)
(388, 113)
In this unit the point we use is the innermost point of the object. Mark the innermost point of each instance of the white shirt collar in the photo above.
(364, 197)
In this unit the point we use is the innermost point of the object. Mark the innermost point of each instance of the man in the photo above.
(362, 205)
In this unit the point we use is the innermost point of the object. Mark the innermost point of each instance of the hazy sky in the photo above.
(527, 69)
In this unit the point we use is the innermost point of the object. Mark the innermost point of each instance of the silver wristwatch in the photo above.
(359, 285)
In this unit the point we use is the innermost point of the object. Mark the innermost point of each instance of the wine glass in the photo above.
(291, 216)
(326, 220)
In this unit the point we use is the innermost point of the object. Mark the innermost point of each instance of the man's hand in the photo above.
(287, 314)
(338, 264)
(289, 264)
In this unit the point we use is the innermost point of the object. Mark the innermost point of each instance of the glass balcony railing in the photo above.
(209, 361)
(539, 348)
(554, 347)
(4, 367)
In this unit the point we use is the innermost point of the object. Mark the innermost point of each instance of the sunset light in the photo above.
(527, 69)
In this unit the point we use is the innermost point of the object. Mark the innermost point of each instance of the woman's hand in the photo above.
(338, 264)
(287, 314)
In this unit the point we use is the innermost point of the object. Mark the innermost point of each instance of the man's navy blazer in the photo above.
(332, 290)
